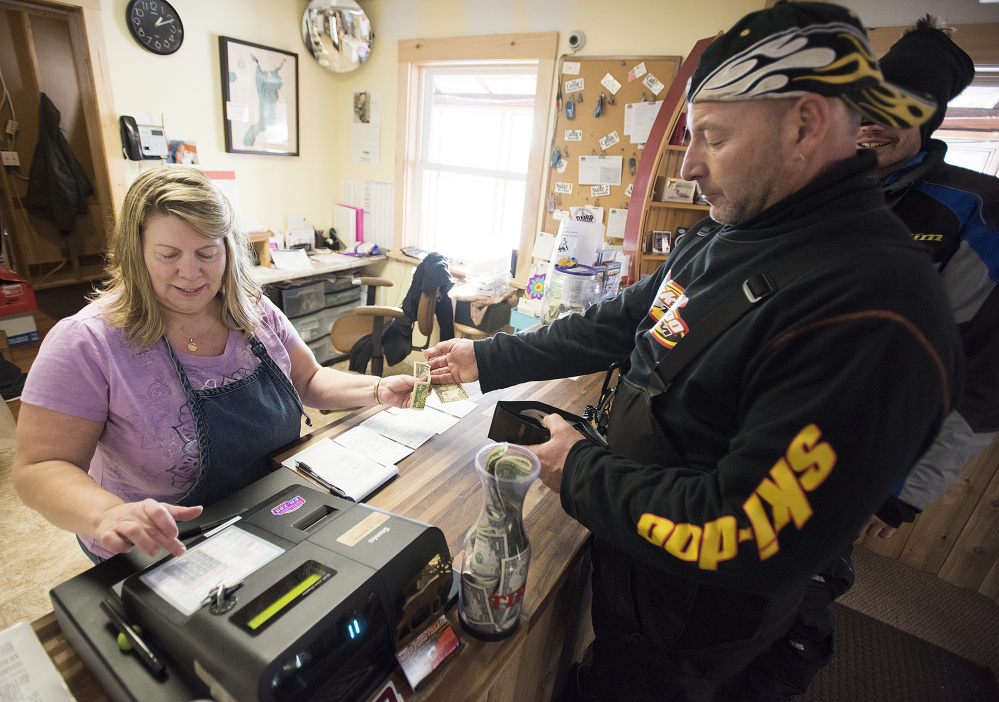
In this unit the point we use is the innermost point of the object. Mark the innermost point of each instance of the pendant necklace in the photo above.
(191, 346)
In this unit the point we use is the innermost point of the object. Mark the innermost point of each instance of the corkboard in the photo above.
(592, 70)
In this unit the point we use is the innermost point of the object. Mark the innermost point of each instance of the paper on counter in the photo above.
(411, 429)
(458, 408)
(373, 445)
(26, 671)
(354, 473)
(290, 260)
(438, 422)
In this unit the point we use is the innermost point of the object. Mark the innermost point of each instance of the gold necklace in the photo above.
(191, 345)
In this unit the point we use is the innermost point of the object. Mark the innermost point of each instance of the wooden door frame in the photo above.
(96, 99)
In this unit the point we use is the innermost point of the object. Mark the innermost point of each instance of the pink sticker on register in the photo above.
(289, 506)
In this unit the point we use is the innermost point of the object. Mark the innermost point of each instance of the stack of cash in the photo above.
(494, 572)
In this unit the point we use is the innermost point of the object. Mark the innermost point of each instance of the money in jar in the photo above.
(497, 552)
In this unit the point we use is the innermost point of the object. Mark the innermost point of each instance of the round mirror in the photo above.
(337, 34)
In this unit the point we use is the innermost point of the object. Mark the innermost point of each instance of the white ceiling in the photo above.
(895, 13)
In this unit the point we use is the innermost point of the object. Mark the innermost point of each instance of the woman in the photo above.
(170, 388)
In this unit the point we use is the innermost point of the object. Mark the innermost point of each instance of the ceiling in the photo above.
(895, 13)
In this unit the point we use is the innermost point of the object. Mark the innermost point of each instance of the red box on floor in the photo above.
(16, 295)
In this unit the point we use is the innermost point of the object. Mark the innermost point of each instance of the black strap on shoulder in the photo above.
(753, 290)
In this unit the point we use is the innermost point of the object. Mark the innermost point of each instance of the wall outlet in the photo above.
(10, 158)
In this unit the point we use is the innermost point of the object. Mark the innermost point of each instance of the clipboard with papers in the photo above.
(340, 470)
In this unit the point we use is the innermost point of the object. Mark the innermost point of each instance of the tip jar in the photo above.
(497, 553)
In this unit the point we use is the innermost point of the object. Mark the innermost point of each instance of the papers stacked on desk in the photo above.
(356, 475)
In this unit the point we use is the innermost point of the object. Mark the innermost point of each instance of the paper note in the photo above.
(616, 221)
(410, 430)
(610, 83)
(26, 671)
(290, 260)
(600, 170)
(373, 445)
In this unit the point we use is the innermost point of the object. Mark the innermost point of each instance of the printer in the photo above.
(311, 598)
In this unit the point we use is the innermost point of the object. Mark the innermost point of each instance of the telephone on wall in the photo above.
(141, 142)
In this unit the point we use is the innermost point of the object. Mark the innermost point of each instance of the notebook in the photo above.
(356, 475)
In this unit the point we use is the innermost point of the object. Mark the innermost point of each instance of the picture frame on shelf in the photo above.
(660, 242)
(679, 190)
(259, 98)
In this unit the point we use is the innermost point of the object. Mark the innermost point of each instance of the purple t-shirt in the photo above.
(149, 445)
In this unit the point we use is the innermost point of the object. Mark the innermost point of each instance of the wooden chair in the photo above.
(370, 319)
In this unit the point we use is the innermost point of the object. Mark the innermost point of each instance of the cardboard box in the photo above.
(20, 328)
(16, 295)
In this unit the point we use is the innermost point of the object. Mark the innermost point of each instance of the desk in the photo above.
(331, 263)
(437, 484)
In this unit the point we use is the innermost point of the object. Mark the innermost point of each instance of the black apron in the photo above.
(238, 424)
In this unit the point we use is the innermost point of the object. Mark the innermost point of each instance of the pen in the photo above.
(190, 531)
(145, 654)
(309, 473)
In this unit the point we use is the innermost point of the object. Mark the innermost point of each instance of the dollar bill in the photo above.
(486, 562)
(512, 468)
(418, 400)
(475, 602)
(421, 369)
(450, 392)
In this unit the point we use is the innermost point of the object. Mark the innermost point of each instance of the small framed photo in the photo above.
(660, 242)
(679, 190)
(259, 98)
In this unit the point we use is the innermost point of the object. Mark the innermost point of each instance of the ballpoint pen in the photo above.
(142, 650)
(313, 475)
(190, 531)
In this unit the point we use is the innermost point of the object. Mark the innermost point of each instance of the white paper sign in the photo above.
(629, 189)
(616, 219)
(637, 72)
(543, 245)
(600, 170)
(573, 134)
(609, 141)
(610, 83)
(559, 215)
(653, 84)
(599, 190)
(564, 188)
(639, 118)
(572, 86)
(570, 68)
(587, 213)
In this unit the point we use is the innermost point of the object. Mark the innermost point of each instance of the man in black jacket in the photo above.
(954, 214)
(734, 475)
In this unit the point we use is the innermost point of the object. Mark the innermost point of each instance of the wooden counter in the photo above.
(437, 484)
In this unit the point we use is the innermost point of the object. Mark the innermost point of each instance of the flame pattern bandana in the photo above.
(794, 48)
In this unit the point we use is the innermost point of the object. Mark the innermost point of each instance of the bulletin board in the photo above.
(616, 82)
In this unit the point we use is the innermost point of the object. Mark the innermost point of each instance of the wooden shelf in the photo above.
(654, 257)
(680, 205)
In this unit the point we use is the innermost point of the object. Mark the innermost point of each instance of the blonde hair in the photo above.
(127, 300)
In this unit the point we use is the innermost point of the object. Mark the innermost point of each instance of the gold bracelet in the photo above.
(377, 383)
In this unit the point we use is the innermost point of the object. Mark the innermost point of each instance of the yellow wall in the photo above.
(186, 88)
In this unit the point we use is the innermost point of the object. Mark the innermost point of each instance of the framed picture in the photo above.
(679, 190)
(259, 98)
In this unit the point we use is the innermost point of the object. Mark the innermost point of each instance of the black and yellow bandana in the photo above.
(794, 48)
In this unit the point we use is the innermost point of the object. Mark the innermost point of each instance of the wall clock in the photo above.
(156, 25)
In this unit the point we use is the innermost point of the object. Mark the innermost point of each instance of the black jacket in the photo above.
(57, 185)
(397, 335)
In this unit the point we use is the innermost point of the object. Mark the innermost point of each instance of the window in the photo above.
(471, 151)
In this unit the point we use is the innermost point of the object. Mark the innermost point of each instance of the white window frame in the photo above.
(415, 54)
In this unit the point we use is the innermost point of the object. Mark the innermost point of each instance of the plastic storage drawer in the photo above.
(311, 326)
(297, 300)
(335, 299)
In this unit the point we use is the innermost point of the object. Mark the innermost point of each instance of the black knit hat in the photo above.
(794, 48)
(926, 60)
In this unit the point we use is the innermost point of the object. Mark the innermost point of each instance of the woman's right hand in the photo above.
(149, 524)
(452, 361)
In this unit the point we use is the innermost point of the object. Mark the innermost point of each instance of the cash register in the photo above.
(298, 600)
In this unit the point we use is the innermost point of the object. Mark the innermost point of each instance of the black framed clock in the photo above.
(156, 25)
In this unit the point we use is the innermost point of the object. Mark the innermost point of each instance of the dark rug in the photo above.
(877, 662)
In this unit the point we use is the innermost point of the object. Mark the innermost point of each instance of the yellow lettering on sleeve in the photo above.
(785, 496)
(813, 461)
(720, 542)
(684, 542)
(655, 529)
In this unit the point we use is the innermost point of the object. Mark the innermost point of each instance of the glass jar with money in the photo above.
(497, 552)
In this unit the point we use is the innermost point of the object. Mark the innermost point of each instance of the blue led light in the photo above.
(354, 629)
